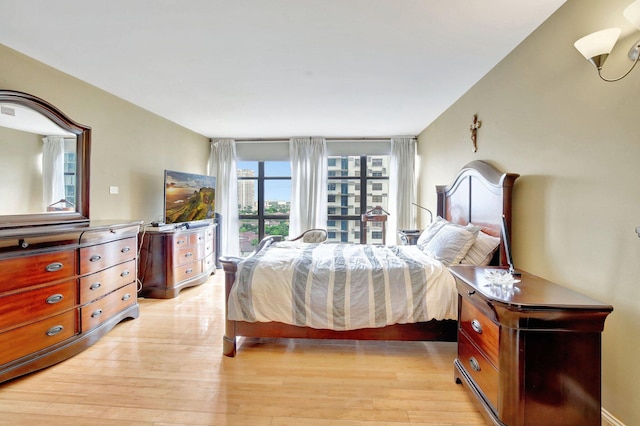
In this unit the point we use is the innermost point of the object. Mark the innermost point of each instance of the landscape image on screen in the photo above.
(188, 196)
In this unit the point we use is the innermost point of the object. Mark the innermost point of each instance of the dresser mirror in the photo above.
(44, 166)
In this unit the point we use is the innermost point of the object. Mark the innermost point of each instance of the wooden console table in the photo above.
(173, 259)
(532, 354)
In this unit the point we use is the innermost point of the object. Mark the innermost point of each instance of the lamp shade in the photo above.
(598, 43)
(632, 13)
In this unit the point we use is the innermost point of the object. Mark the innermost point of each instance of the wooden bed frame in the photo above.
(479, 194)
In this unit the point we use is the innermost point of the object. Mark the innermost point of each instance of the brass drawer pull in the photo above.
(54, 267)
(95, 286)
(56, 329)
(96, 313)
(95, 258)
(188, 271)
(126, 297)
(188, 254)
(477, 327)
(54, 298)
(474, 363)
(125, 250)
(180, 241)
(124, 273)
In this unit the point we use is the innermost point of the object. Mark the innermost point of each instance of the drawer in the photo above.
(208, 263)
(482, 372)
(26, 271)
(101, 256)
(186, 272)
(97, 285)
(94, 314)
(31, 338)
(28, 306)
(188, 254)
(481, 330)
(180, 241)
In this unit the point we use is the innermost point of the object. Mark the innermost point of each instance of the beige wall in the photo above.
(20, 172)
(575, 141)
(130, 148)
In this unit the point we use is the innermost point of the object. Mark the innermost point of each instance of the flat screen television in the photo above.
(188, 197)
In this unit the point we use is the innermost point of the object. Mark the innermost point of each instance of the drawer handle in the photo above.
(95, 286)
(54, 298)
(180, 242)
(188, 254)
(471, 292)
(188, 271)
(125, 250)
(53, 267)
(124, 273)
(95, 258)
(56, 329)
(96, 313)
(477, 327)
(126, 297)
(474, 363)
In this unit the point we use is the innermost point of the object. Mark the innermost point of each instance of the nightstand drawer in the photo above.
(481, 330)
(480, 369)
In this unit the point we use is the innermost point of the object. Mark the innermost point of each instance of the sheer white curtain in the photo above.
(308, 184)
(222, 165)
(52, 170)
(401, 187)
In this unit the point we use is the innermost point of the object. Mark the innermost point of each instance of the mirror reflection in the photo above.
(38, 171)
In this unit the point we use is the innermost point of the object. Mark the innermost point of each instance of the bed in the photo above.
(475, 201)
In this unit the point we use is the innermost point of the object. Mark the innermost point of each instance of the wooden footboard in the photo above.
(423, 331)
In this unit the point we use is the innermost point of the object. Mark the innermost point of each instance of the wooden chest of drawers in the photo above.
(58, 299)
(175, 259)
(529, 355)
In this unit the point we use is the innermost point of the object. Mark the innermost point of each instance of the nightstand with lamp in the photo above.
(409, 237)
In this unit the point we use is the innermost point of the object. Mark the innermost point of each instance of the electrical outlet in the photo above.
(114, 190)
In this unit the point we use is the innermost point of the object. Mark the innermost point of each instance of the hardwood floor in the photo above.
(167, 368)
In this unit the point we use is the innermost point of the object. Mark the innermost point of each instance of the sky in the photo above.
(276, 190)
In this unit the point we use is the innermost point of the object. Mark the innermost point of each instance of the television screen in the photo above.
(188, 197)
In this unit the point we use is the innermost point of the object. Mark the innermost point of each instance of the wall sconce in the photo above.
(596, 47)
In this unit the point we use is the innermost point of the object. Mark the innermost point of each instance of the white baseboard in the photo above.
(609, 420)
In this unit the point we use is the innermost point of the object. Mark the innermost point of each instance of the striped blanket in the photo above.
(341, 286)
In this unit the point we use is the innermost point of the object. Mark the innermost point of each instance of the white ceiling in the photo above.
(277, 68)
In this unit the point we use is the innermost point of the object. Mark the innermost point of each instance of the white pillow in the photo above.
(451, 243)
(481, 252)
(430, 232)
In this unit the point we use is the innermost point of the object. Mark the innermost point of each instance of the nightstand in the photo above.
(529, 355)
(409, 237)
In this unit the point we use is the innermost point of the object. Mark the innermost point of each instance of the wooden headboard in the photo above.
(480, 194)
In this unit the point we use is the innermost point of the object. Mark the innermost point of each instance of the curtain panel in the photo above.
(401, 187)
(222, 165)
(308, 184)
(52, 170)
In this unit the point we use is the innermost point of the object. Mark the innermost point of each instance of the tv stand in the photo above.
(176, 258)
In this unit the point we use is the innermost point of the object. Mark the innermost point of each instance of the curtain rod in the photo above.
(343, 138)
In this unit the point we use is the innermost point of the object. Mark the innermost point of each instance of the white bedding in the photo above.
(342, 286)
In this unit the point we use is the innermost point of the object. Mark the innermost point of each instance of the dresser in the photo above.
(530, 355)
(61, 289)
(176, 258)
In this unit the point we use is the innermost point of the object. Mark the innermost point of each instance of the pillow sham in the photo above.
(482, 250)
(451, 243)
(430, 232)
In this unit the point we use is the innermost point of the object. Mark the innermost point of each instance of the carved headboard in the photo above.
(480, 194)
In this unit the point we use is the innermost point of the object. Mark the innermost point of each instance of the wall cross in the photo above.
(474, 131)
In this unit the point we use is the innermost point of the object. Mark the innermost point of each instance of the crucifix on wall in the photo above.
(474, 131)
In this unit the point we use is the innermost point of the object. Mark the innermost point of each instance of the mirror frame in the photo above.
(83, 149)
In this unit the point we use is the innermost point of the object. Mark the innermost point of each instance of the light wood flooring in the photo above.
(167, 368)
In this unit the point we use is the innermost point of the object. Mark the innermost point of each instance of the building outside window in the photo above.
(264, 200)
(346, 201)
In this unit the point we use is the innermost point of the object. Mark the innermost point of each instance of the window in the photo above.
(346, 200)
(264, 195)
